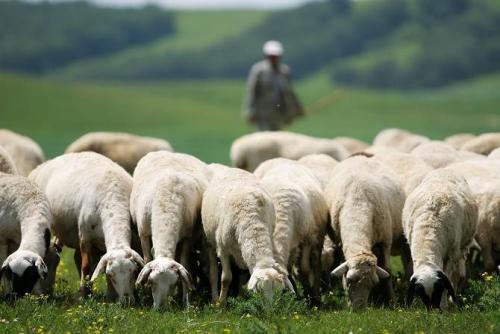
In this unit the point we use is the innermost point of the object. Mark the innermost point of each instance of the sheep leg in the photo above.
(486, 251)
(226, 277)
(213, 273)
(316, 272)
(85, 271)
(384, 263)
(305, 271)
(146, 248)
(407, 261)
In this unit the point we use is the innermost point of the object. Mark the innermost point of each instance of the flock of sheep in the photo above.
(292, 209)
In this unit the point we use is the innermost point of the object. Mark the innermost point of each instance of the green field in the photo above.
(202, 118)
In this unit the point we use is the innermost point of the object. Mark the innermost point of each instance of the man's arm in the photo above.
(249, 112)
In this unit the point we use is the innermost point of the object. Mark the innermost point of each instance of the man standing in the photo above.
(270, 102)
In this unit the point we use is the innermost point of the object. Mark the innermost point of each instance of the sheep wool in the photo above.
(25, 152)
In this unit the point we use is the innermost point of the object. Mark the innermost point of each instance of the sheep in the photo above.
(248, 151)
(321, 165)
(483, 144)
(410, 169)
(301, 216)
(484, 181)
(352, 145)
(7, 165)
(495, 154)
(439, 221)
(238, 221)
(439, 154)
(25, 221)
(25, 153)
(123, 148)
(89, 196)
(166, 204)
(366, 202)
(402, 140)
(459, 139)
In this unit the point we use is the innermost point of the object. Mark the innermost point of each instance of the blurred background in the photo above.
(176, 69)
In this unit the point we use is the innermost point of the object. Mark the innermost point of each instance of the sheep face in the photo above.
(432, 286)
(267, 281)
(121, 268)
(358, 279)
(21, 271)
(162, 275)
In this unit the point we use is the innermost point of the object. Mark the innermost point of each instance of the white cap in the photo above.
(272, 48)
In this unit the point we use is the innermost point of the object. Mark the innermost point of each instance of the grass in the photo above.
(202, 118)
(195, 30)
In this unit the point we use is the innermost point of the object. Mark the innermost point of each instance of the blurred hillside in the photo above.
(379, 43)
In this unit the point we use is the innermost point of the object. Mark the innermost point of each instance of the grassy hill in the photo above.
(195, 30)
(203, 117)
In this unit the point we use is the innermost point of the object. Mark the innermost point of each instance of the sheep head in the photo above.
(432, 285)
(162, 275)
(121, 267)
(267, 281)
(21, 271)
(359, 275)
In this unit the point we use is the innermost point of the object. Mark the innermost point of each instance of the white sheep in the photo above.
(352, 145)
(483, 177)
(402, 140)
(301, 217)
(25, 153)
(25, 221)
(366, 201)
(483, 144)
(439, 219)
(439, 154)
(247, 152)
(166, 204)
(7, 165)
(495, 154)
(89, 196)
(123, 148)
(321, 165)
(459, 139)
(410, 169)
(238, 220)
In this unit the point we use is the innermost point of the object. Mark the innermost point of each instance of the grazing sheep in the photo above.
(247, 152)
(25, 153)
(410, 169)
(89, 196)
(483, 144)
(123, 148)
(484, 181)
(366, 202)
(495, 154)
(352, 145)
(439, 219)
(238, 220)
(25, 221)
(321, 165)
(458, 140)
(439, 154)
(399, 139)
(7, 165)
(166, 205)
(301, 217)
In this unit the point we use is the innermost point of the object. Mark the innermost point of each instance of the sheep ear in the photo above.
(289, 285)
(381, 273)
(411, 291)
(137, 258)
(41, 268)
(143, 277)
(340, 270)
(101, 266)
(447, 284)
(185, 277)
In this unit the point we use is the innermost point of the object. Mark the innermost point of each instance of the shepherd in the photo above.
(270, 103)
